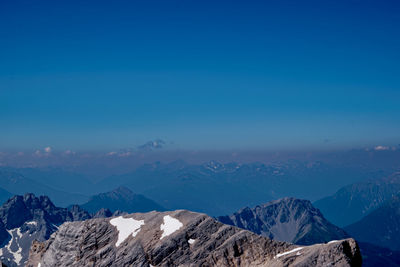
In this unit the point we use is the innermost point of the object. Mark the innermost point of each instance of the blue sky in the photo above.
(201, 74)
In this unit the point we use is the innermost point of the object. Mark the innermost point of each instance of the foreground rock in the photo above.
(178, 238)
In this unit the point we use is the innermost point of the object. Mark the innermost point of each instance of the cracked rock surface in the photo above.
(196, 240)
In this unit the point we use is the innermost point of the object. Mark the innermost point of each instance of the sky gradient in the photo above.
(200, 74)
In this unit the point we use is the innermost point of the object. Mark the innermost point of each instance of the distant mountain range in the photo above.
(288, 219)
(213, 188)
(121, 199)
(350, 203)
(380, 227)
(179, 185)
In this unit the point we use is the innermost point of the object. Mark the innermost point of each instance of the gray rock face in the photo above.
(27, 218)
(288, 219)
(178, 238)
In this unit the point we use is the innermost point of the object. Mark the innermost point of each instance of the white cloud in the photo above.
(47, 149)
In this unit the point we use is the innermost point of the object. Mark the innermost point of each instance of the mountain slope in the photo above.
(4, 195)
(178, 238)
(381, 227)
(350, 203)
(121, 199)
(27, 218)
(288, 219)
(17, 183)
(373, 256)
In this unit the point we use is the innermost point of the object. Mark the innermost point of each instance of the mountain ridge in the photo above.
(123, 199)
(287, 219)
(387, 217)
(350, 203)
(178, 238)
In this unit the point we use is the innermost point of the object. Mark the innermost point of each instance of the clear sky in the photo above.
(201, 74)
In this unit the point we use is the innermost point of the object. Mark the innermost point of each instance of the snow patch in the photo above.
(169, 226)
(19, 232)
(333, 241)
(16, 235)
(32, 223)
(125, 227)
(288, 252)
(191, 241)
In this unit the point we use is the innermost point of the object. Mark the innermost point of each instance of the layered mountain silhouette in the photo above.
(373, 255)
(381, 227)
(180, 185)
(288, 219)
(121, 199)
(353, 202)
(178, 238)
(19, 184)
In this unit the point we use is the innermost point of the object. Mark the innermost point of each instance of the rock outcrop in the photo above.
(178, 238)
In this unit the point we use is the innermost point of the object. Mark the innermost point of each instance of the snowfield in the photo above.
(288, 252)
(126, 227)
(169, 226)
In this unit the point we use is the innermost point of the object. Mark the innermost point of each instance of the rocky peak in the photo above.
(103, 213)
(79, 214)
(288, 219)
(178, 238)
